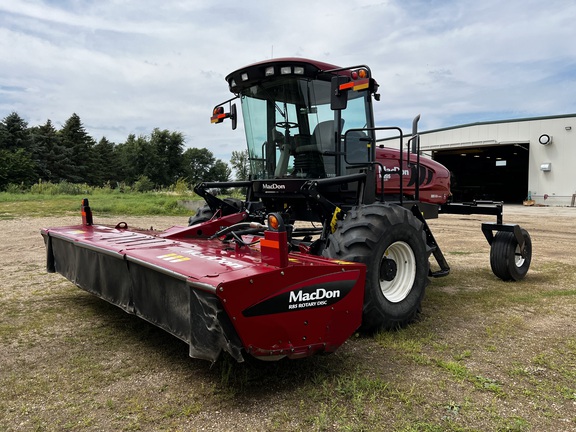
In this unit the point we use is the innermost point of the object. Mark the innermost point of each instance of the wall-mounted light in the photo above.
(545, 139)
(546, 167)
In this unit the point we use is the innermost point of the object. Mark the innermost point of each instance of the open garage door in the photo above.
(498, 173)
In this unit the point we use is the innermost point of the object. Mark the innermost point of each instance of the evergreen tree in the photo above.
(16, 165)
(51, 158)
(74, 137)
(14, 133)
(105, 156)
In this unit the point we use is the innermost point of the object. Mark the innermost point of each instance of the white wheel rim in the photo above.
(400, 286)
(518, 259)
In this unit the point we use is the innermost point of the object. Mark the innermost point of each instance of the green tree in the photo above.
(15, 167)
(197, 164)
(82, 162)
(50, 157)
(71, 154)
(240, 163)
(14, 133)
(166, 166)
(220, 172)
(135, 157)
(106, 158)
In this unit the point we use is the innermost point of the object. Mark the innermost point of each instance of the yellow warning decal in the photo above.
(174, 258)
(75, 232)
(335, 219)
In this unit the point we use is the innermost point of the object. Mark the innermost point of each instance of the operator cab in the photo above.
(310, 135)
(292, 129)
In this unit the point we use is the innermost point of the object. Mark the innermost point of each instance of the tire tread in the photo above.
(360, 237)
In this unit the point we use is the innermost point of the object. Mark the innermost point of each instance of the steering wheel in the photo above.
(286, 125)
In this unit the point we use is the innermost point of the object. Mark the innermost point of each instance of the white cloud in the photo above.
(129, 66)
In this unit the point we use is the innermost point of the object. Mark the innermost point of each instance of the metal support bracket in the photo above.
(488, 229)
(433, 244)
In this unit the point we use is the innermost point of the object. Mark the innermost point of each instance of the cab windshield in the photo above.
(290, 128)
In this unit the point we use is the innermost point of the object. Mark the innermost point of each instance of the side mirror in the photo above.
(233, 116)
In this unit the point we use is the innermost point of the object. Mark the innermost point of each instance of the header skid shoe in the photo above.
(259, 300)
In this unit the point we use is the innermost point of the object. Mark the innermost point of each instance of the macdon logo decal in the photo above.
(273, 186)
(320, 294)
(313, 296)
(384, 169)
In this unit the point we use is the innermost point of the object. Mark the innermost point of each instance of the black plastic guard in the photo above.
(174, 304)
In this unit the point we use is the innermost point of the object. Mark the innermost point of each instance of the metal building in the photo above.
(509, 160)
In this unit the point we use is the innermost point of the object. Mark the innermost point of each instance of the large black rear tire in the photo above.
(391, 241)
(205, 213)
(506, 259)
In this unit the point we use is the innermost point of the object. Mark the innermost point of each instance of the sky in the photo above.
(127, 67)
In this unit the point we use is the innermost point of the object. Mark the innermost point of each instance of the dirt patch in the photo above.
(485, 355)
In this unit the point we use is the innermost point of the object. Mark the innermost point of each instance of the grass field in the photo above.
(128, 204)
(484, 356)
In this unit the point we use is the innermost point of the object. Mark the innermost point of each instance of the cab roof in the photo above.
(286, 66)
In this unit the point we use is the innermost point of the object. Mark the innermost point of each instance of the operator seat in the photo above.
(323, 138)
(307, 160)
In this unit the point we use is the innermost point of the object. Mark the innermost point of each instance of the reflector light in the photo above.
(299, 70)
(355, 85)
(218, 115)
(273, 222)
(270, 244)
(269, 71)
(285, 70)
(346, 86)
(86, 212)
(244, 77)
(217, 118)
(359, 74)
